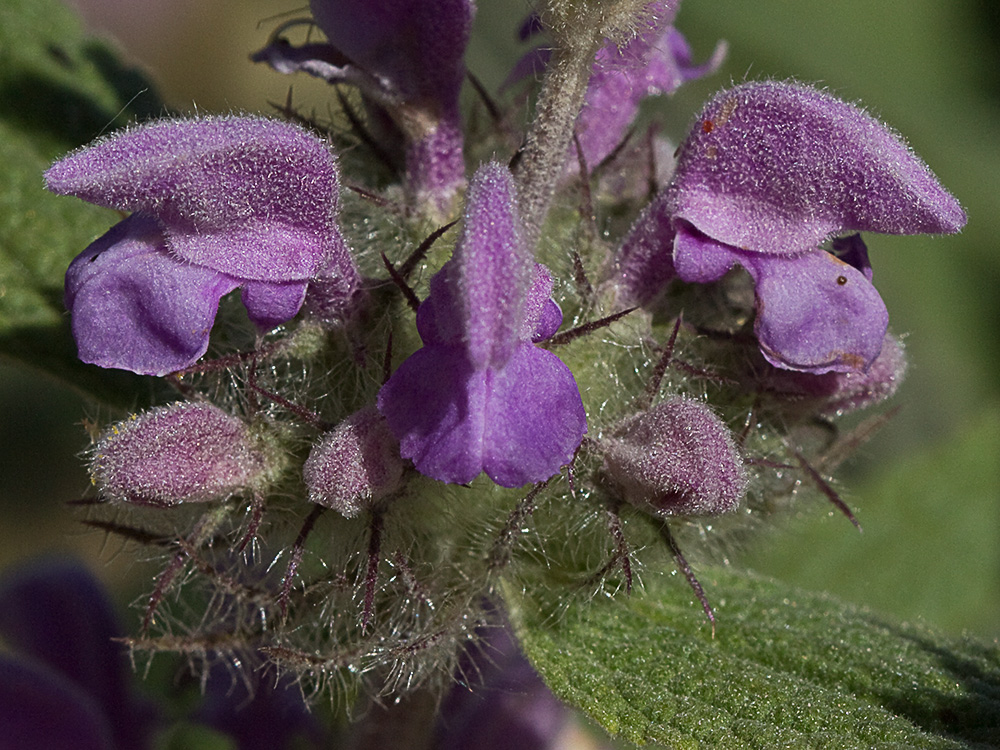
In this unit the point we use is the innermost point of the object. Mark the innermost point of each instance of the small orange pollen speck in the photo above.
(708, 126)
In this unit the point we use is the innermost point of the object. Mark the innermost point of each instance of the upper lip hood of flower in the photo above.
(249, 197)
(770, 172)
(776, 167)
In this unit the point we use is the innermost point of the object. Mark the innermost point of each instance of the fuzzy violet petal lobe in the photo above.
(778, 168)
(136, 307)
(252, 198)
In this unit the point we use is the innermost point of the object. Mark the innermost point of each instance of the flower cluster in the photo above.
(633, 377)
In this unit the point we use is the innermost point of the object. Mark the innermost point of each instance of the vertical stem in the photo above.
(551, 133)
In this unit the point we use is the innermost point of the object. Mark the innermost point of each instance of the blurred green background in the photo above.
(926, 488)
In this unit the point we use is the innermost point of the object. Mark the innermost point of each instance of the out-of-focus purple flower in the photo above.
(219, 204)
(656, 61)
(480, 396)
(182, 453)
(66, 682)
(678, 458)
(770, 173)
(407, 58)
(354, 465)
(500, 702)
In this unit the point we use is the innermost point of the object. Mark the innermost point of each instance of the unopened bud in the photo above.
(354, 465)
(834, 394)
(182, 453)
(677, 459)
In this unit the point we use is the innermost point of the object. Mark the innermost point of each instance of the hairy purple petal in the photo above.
(778, 168)
(435, 403)
(136, 307)
(656, 62)
(479, 396)
(534, 418)
(816, 313)
(491, 270)
(252, 198)
(271, 304)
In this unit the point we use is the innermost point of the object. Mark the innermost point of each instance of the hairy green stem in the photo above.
(551, 133)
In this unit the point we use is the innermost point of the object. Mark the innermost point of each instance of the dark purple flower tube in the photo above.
(769, 176)
(219, 204)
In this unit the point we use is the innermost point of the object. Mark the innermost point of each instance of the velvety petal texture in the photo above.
(774, 177)
(776, 167)
(479, 396)
(219, 203)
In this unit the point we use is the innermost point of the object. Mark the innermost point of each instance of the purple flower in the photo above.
(654, 62)
(65, 681)
(406, 57)
(770, 173)
(219, 204)
(480, 396)
(500, 702)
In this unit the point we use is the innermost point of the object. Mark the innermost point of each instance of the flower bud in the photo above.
(354, 465)
(677, 459)
(182, 453)
(834, 394)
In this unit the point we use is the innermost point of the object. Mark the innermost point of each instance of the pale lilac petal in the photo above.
(252, 198)
(135, 307)
(534, 418)
(271, 304)
(816, 313)
(435, 404)
(778, 168)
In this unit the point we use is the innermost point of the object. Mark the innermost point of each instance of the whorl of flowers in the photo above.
(455, 361)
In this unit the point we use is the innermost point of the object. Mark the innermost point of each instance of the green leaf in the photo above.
(58, 90)
(785, 668)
